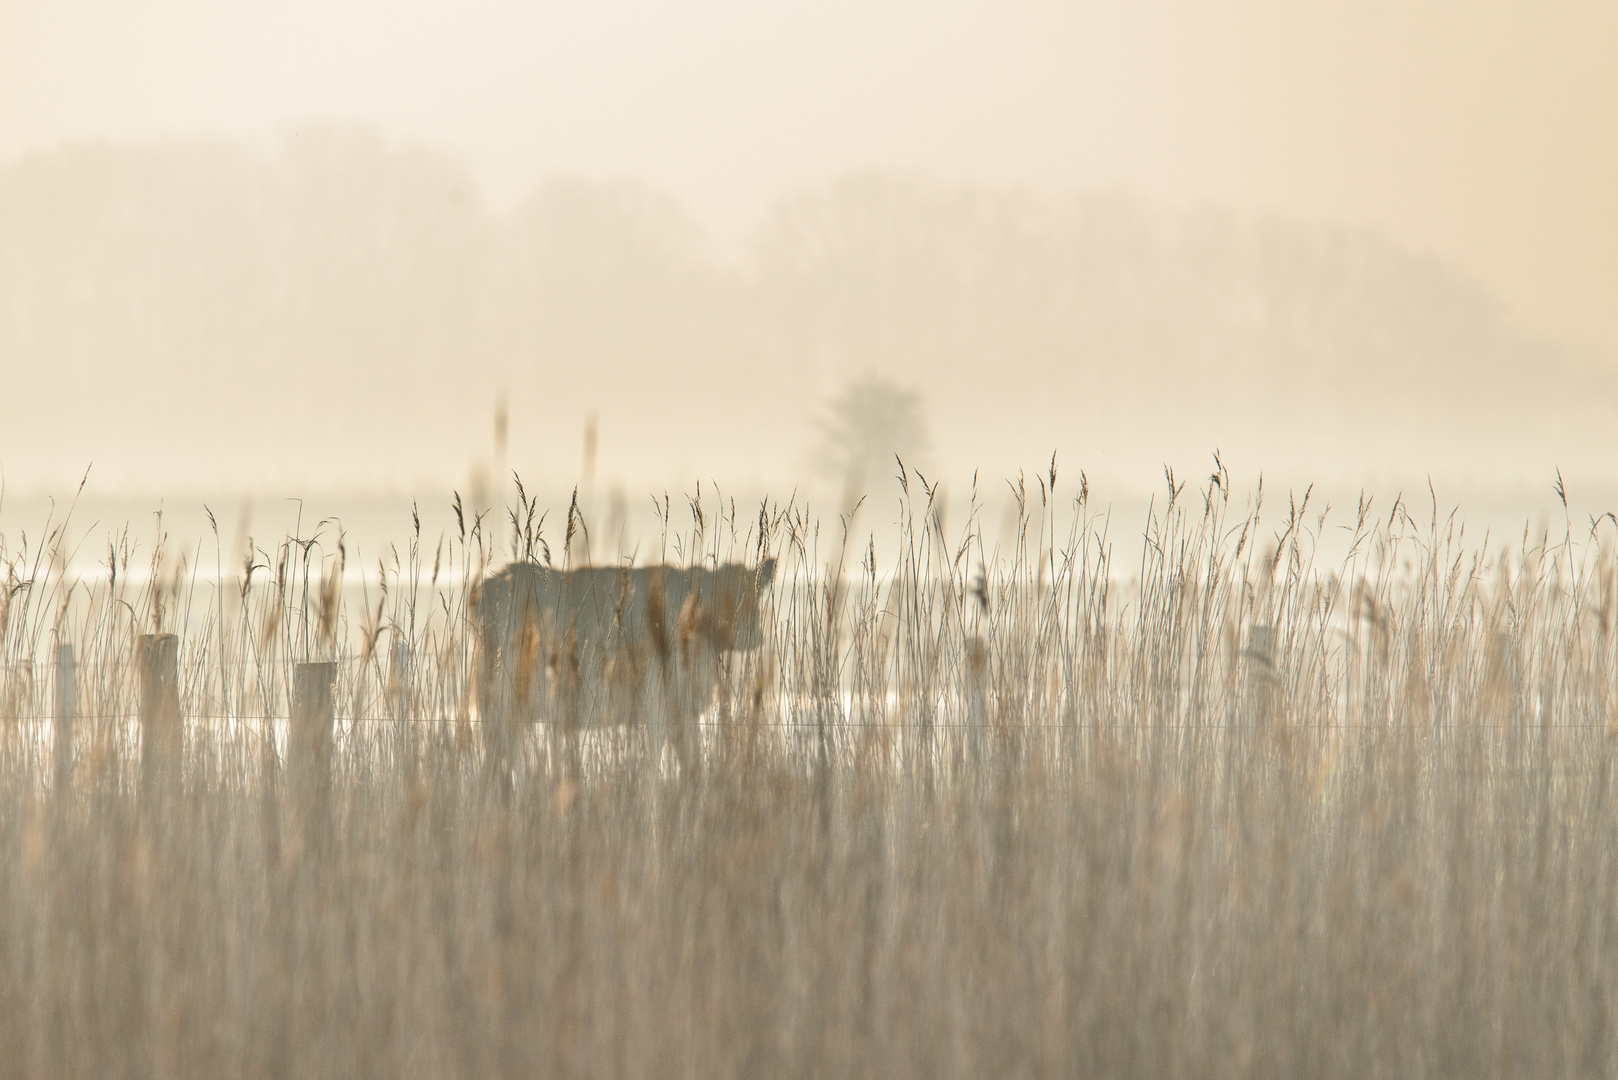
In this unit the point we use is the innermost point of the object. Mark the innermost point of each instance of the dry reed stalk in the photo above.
(1053, 822)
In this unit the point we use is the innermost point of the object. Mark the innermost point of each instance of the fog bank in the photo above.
(333, 310)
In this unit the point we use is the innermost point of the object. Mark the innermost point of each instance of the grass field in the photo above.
(972, 812)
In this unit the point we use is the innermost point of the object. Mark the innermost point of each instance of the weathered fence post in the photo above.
(401, 708)
(18, 691)
(399, 679)
(162, 737)
(64, 710)
(1263, 682)
(309, 741)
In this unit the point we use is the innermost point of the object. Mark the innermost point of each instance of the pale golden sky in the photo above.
(1483, 132)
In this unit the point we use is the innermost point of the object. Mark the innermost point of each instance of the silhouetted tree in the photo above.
(869, 422)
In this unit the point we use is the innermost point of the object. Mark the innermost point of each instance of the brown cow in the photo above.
(594, 646)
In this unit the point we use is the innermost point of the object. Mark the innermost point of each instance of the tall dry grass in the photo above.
(977, 812)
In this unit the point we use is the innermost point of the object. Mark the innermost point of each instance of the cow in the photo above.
(608, 645)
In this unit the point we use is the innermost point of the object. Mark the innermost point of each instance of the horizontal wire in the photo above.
(1460, 726)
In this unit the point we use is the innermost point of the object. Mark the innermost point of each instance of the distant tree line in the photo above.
(342, 290)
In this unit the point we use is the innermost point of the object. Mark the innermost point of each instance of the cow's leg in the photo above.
(567, 719)
(494, 714)
(692, 690)
(517, 686)
(654, 709)
(498, 720)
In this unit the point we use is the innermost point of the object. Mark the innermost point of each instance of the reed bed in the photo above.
(977, 811)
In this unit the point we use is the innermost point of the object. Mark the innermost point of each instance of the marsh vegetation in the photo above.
(968, 811)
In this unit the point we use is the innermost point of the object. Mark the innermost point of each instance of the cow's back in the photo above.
(588, 623)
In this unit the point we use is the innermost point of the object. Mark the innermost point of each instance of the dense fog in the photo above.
(333, 309)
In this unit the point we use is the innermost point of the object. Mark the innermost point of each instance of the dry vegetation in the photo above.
(975, 813)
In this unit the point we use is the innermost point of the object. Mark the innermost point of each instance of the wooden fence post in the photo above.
(399, 681)
(1263, 681)
(309, 741)
(17, 691)
(162, 736)
(64, 710)
(401, 738)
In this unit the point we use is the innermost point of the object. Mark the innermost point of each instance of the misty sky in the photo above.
(1484, 132)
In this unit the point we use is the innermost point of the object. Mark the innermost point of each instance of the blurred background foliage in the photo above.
(168, 309)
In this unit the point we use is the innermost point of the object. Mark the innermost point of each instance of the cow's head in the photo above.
(730, 604)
